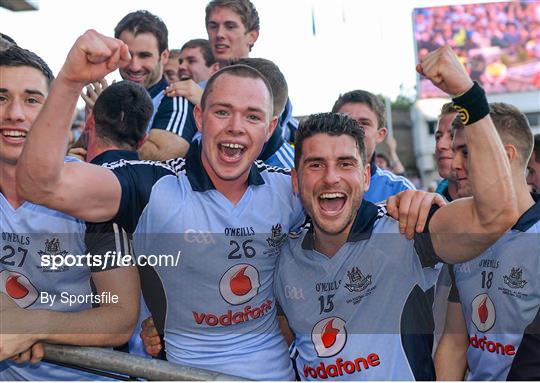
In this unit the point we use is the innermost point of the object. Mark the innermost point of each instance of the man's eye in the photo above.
(254, 117)
(32, 100)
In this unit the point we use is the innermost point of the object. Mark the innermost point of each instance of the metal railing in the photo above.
(94, 358)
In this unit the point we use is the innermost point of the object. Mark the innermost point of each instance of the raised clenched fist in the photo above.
(445, 71)
(92, 57)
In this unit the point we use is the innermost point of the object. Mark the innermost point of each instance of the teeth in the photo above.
(332, 195)
(233, 146)
(13, 133)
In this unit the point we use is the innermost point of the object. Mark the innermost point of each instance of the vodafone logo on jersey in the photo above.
(239, 284)
(18, 287)
(483, 312)
(329, 336)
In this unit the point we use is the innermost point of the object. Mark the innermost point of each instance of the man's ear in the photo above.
(367, 177)
(197, 113)
(271, 127)
(294, 180)
(90, 122)
(381, 135)
(252, 38)
(511, 152)
(142, 141)
(164, 56)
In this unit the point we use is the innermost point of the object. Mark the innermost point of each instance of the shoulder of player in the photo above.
(384, 222)
(399, 182)
(168, 166)
(265, 169)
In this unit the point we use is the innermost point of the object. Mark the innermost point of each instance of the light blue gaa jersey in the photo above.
(500, 297)
(365, 313)
(218, 308)
(28, 233)
(385, 184)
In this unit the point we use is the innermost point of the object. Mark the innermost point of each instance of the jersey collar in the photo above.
(361, 229)
(155, 89)
(115, 155)
(199, 179)
(530, 217)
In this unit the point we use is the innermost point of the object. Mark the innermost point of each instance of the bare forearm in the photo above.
(103, 326)
(163, 147)
(39, 170)
(451, 358)
(490, 176)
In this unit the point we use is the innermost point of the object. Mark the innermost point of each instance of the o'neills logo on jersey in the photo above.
(340, 367)
(239, 284)
(329, 336)
(233, 317)
(18, 287)
(485, 344)
(483, 312)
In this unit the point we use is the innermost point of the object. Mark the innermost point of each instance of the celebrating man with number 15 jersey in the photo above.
(354, 291)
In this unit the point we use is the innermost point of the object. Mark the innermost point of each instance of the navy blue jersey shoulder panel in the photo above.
(453, 296)
(530, 217)
(417, 328)
(423, 244)
(526, 364)
(137, 178)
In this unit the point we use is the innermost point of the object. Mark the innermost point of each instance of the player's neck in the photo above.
(329, 244)
(452, 190)
(524, 199)
(8, 186)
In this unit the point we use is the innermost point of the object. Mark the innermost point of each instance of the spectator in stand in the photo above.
(533, 167)
(170, 70)
(369, 112)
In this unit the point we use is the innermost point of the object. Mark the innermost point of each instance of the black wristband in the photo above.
(472, 106)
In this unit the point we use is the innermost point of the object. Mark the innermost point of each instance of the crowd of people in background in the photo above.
(497, 42)
(301, 251)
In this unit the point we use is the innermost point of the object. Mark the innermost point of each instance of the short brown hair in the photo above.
(243, 8)
(363, 97)
(333, 124)
(447, 108)
(275, 78)
(204, 46)
(242, 71)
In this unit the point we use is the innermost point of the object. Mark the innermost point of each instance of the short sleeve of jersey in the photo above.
(424, 246)
(453, 296)
(175, 115)
(137, 178)
(106, 242)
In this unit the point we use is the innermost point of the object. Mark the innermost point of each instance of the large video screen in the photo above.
(499, 43)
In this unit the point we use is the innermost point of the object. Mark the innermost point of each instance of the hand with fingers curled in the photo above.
(185, 88)
(92, 57)
(93, 91)
(411, 208)
(443, 68)
(150, 337)
(33, 355)
(16, 339)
